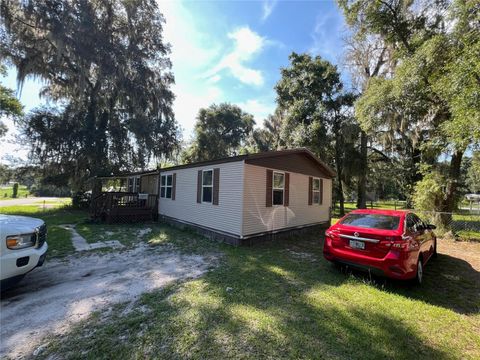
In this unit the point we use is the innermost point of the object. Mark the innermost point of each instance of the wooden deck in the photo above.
(122, 207)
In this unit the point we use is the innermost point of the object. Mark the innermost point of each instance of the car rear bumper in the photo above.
(17, 263)
(394, 265)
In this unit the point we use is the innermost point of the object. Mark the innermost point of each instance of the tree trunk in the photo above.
(341, 200)
(339, 168)
(92, 134)
(362, 177)
(413, 174)
(449, 203)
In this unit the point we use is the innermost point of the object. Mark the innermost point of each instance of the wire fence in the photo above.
(463, 224)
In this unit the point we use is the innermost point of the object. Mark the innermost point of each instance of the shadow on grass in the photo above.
(449, 282)
(275, 300)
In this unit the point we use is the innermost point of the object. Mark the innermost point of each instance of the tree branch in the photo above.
(385, 157)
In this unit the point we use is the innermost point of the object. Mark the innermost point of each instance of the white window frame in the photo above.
(166, 186)
(274, 188)
(316, 191)
(210, 186)
(135, 184)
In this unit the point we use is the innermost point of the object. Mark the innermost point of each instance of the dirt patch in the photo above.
(61, 293)
(465, 250)
(302, 255)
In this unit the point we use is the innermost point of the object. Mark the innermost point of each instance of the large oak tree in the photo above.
(318, 113)
(430, 102)
(106, 69)
(220, 131)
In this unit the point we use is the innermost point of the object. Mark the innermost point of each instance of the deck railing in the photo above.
(123, 206)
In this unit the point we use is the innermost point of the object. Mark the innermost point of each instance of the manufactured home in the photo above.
(248, 198)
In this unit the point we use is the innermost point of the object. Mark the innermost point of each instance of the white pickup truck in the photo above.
(23, 247)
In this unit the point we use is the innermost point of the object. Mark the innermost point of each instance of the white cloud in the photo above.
(259, 109)
(267, 7)
(214, 79)
(324, 43)
(190, 48)
(246, 44)
(193, 51)
(189, 101)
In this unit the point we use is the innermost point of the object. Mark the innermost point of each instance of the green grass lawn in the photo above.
(6, 192)
(61, 201)
(276, 300)
(59, 239)
(283, 300)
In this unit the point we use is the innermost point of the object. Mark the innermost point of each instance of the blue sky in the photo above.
(225, 51)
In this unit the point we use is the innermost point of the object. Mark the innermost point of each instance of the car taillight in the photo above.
(400, 243)
(331, 234)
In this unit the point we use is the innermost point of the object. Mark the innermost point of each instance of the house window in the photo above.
(133, 184)
(207, 186)
(166, 186)
(316, 191)
(278, 188)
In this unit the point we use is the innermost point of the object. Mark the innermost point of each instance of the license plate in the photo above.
(354, 244)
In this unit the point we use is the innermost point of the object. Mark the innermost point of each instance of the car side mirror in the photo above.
(431, 227)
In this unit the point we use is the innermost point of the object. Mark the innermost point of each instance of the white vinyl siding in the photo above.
(258, 218)
(226, 216)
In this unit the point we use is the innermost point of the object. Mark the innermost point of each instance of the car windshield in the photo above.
(372, 221)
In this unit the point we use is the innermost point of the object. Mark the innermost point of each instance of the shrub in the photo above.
(428, 192)
(428, 196)
(51, 190)
(81, 200)
(15, 190)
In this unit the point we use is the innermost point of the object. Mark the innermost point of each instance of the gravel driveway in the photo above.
(50, 299)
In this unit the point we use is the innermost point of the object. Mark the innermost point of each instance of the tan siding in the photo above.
(227, 216)
(149, 184)
(259, 218)
(297, 163)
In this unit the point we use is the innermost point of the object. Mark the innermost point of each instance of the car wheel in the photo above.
(435, 254)
(419, 275)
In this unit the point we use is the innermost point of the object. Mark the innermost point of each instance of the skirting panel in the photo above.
(236, 240)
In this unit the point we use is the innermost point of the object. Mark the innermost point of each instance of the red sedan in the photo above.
(396, 244)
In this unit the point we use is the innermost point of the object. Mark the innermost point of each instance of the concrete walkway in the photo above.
(81, 244)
